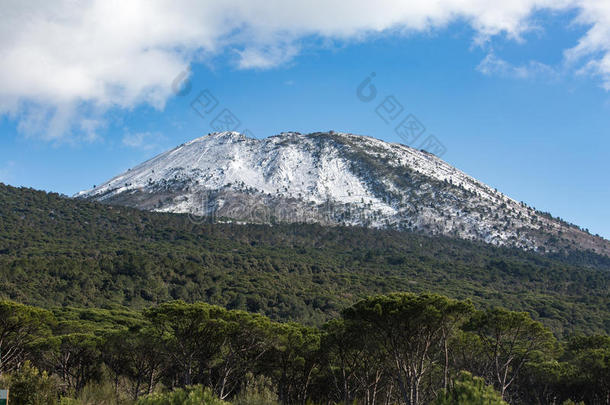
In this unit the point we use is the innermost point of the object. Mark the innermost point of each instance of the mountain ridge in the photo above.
(334, 178)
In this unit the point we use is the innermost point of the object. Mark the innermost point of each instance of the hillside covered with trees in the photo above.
(111, 305)
(55, 251)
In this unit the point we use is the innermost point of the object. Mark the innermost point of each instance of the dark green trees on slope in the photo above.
(58, 251)
(400, 348)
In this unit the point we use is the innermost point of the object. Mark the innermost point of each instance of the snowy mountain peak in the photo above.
(333, 178)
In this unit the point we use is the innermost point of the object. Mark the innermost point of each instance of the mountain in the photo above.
(335, 179)
(59, 251)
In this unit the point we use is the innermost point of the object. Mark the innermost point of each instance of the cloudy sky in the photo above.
(516, 93)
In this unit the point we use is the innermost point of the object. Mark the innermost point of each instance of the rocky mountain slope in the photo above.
(334, 178)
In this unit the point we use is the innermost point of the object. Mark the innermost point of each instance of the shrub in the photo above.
(469, 390)
(258, 390)
(95, 394)
(195, 395)
(28, 386)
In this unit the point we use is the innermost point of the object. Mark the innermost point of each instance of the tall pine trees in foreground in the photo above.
(399, 348)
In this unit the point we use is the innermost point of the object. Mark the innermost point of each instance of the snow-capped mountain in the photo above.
(334, 179)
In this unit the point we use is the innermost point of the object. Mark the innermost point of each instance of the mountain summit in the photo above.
(334, 179)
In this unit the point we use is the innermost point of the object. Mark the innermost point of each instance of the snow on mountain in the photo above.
(334, 179)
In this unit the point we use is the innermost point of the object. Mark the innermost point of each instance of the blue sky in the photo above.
(510, 111)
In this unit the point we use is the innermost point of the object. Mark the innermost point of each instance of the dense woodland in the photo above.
(111, 305)
(59, 251)
(401, 348)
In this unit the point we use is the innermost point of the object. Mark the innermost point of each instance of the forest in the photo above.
(57, 251)
(111, 305)
(400, 348)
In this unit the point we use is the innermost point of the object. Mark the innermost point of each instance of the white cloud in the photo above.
(266, 57)
(63, 63)
(143, 140)
(493, 65)
(595, 45)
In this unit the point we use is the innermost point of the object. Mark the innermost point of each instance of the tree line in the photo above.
(399, 348)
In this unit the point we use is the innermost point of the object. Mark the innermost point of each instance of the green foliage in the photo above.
(469, 390)
(192, 335)
(293, 357)
(21, 325)
(196, 395)
(400, 348)
(590, 374)
(95, 394)
(75, 356)
(413, 330)
(259, 390)
(136, 356)
(28, 386)
(510, 340)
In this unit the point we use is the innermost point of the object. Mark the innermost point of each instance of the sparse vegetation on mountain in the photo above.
(335, 178)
